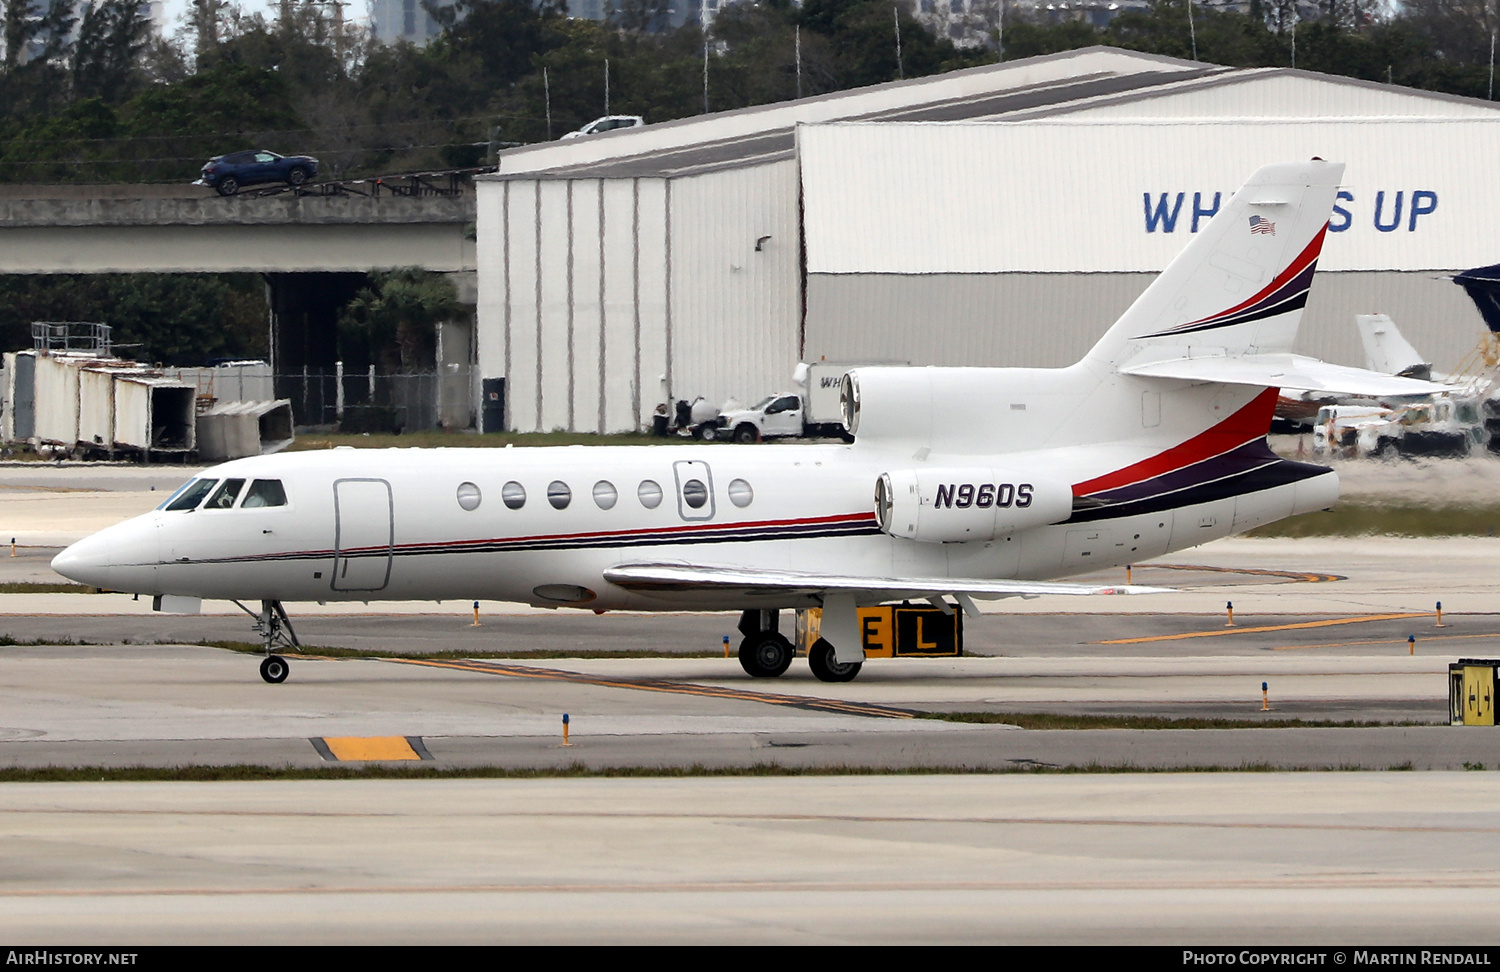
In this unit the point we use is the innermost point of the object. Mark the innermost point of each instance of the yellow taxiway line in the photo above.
(1269, 627)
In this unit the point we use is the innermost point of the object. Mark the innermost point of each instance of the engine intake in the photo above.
(952, 505)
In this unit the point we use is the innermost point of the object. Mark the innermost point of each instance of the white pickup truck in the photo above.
(812, 412)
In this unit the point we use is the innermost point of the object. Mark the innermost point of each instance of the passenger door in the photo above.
(364, 531)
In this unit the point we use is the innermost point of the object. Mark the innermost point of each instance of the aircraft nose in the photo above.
(85, 562)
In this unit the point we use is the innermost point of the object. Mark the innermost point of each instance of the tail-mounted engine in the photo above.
(956, 504)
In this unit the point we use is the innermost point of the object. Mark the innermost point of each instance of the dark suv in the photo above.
(227, 173)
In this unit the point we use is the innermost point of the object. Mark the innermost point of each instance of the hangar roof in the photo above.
(765, 133)
(1098, 82)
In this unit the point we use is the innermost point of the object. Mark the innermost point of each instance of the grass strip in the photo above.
(22, 587)
(1051, 720)
(245, 772)
(1357, 518)
(6, 641)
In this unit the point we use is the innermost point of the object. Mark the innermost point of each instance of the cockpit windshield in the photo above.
(189, 496)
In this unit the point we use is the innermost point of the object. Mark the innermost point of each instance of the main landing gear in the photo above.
(766, 653)
(275, 627)
(823, 661)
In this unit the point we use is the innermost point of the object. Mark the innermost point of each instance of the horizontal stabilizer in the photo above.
(1293, 371)
(685, 578)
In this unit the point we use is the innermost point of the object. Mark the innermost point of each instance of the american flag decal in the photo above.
(1261, 225)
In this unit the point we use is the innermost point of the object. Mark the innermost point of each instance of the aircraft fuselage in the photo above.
(541, 525)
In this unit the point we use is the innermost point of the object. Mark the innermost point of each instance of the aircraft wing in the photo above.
(755, 582)
(1284, 371)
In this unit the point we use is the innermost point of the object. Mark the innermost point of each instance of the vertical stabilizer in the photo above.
(1386, 350)
(1239, 287)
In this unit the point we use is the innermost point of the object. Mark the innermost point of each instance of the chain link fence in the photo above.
(371, 402)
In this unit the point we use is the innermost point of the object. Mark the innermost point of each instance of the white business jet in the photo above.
(1155, 441)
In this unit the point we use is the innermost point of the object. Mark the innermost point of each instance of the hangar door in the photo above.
(363, 534)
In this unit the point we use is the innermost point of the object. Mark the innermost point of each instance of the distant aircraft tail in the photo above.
(1386, 350)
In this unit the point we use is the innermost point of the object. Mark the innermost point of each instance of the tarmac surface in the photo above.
(1319, 843)
(1258, 860)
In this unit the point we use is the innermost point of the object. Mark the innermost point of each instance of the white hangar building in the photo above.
(1003, 215)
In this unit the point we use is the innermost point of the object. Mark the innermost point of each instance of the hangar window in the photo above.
(191, 495)
(740, 493)
(224, 497)
(650, 494)
(513, 495)
(469, 496)
(605, 494)
(264, 492)
(559, 495)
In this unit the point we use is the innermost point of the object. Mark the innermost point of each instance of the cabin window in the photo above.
(559, 495)
(468, 496)
(224, 497)
(513, 495)
(694, 493)
(262, 493)
(740, 493)
(191, 495)
(650, 494)
(605, 494)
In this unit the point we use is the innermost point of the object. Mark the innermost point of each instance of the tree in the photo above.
(112, 34)
(393, 322)
(179, 319)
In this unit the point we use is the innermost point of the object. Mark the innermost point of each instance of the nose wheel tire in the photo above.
(765, 655)
(274, 669)
(824, 663)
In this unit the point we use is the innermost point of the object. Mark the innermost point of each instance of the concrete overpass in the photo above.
(191, 229)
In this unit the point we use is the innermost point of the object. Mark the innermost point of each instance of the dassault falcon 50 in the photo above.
(1155, 441)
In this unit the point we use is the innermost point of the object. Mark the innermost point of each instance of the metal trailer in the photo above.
(56, 391)
(232, 430)
(20, 396)
(154, 415)
(96, 404)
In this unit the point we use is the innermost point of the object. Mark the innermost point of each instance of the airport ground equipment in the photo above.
(88, 404)
(233, 430)
(1471, 692)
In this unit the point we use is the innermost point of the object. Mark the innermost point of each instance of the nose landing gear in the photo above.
(275, 627)
(274, 669)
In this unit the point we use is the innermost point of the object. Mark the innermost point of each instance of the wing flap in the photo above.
(756, 582)
(1283, 371)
